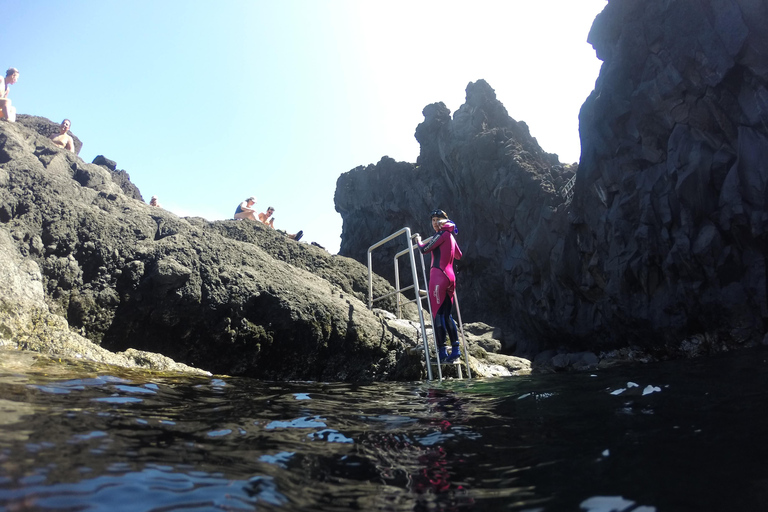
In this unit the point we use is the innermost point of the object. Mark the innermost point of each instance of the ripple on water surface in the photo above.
(77, 436)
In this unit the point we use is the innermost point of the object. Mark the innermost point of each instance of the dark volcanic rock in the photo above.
(47, 128)
(27, 323)
(84, 268)
(671, 191)
(665, 241)
(105, 162)
(123, 180)
(490, 175)
(121, 177)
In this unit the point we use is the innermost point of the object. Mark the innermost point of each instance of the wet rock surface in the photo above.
(26, 322)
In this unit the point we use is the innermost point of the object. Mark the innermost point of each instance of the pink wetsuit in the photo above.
(442, 280)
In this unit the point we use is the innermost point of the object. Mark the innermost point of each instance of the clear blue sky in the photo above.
(205, 103)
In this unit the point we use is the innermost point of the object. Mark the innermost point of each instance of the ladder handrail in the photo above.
(370, 261)
(431, 314)
(463, 338)
(409, 238)
(419, 297)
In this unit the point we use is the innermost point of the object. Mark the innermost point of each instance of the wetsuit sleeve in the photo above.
(458, 254)
(436, 241)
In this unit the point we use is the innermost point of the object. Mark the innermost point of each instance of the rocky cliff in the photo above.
(663, 247)
(86, 268)
(669, 212)
(491, 176)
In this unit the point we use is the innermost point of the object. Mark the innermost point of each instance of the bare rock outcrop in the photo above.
(670, 219)
(663, 246)
(27, 323)
(119, 176)
(88, 271)
(492, 177)
(127, 275)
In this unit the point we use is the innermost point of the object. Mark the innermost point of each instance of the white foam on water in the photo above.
(651, 389)
(612, 504)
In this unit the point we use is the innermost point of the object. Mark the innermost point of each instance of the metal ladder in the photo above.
(567, 190)
(420, 295)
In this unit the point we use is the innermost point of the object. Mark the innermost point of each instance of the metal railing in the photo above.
(419, 296)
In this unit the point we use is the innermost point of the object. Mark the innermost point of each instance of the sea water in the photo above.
(674, 436)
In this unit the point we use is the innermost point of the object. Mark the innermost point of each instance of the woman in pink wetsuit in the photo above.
(442, 282)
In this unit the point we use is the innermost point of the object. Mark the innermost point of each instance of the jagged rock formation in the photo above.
(47, 128)
(85, 267)
(664, 245)
(670, 218)
(119, 176)
(492, 177)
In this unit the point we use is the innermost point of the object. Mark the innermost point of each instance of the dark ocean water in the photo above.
(677, 436)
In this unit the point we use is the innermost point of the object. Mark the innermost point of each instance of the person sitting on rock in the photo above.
(268, 220)
(153, 202)
(63, 139)
(245, 209)
(7, 110)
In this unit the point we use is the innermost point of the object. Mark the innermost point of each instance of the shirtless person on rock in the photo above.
(268, 220)
(63, 139)
(8, 111)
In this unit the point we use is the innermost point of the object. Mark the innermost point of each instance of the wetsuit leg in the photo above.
(440, 330)
(438, 291)
(453, 332)
(445, 320)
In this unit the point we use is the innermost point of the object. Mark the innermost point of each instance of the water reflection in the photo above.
(674, 436)
(154, 488)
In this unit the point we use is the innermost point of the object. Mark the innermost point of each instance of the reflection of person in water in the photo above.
(434, 475)
(437, 474)
(403, 461)
(422, 458)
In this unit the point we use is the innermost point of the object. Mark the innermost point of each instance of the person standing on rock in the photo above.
(442, 282)
(63, 139)
(8, 110)
(154, 202)
(245, 209)
(267, 219)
